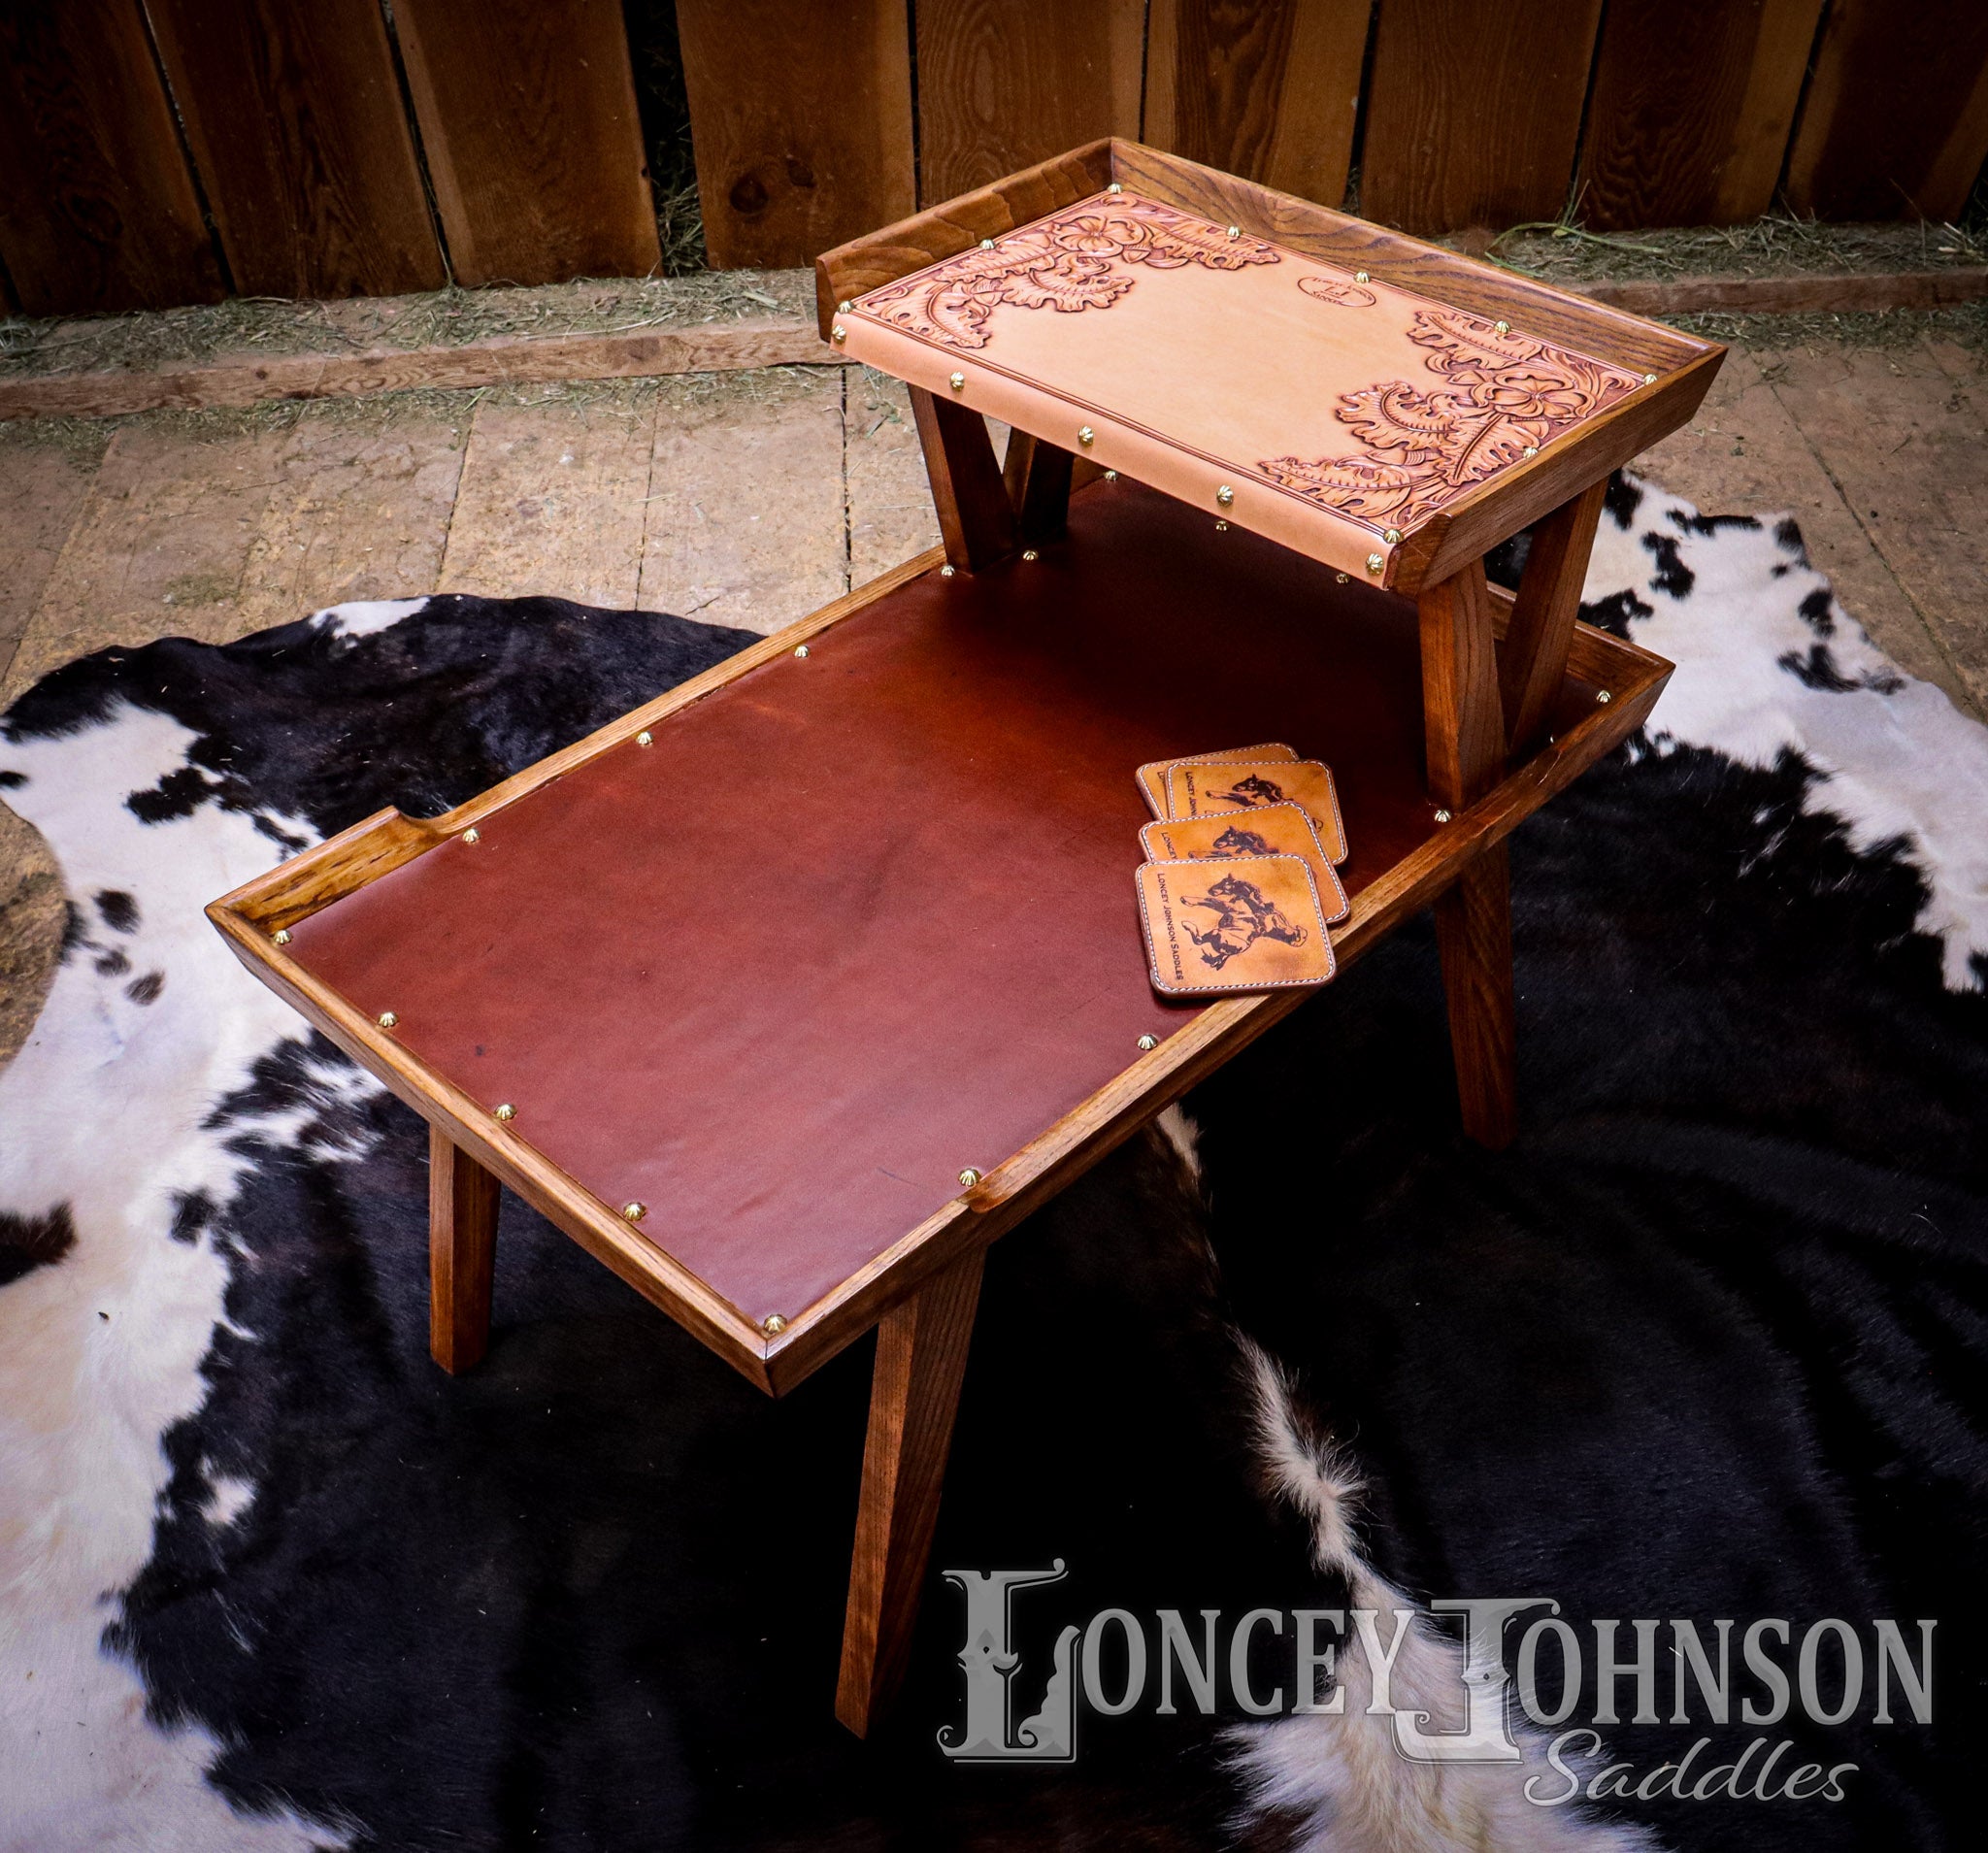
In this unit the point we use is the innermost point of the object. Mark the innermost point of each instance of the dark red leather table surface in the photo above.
(858, 920)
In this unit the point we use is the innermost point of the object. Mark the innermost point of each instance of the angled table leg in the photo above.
(1465, 729)
(1534, 659)
(1038, 475)
(462, 1252)
(921, 1356)
(975, 519)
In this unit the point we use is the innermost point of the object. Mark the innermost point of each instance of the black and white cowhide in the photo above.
(1708, 1341)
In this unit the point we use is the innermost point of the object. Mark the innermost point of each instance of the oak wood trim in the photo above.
(976, 518)
(1534, 659)
(1474, 938)
(922, 1357)
(462, 1254)
(1462, 720)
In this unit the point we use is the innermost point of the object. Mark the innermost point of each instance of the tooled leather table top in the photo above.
(858, 920)
(1339, 410)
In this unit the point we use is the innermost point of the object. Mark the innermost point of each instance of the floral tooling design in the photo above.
(1500, 398)
(1069, 262)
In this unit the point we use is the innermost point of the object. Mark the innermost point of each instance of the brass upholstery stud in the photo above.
(633, 1213)
(1235, 231)
(773, 1325)
(1030, 553)
(842, 308)
(507, 1112)
(473, 835)
(1442, 816)
(1222, 527)
(1361, 277)
(969, 1177)
(1532, 450)
(1110, 476)
(1393, 536)
(645, 737)
(1649, 380)
(1503, 327)
(947, 571)
(1602, 696)
(387, 1019)
(1225, 495)
(957, 382)
(1086, 434)
(282, 936)
(837, 332)
(1341, 577)
(987, 244)
(1374, 564)
(1148, 1043)
(800, 650)
(1114, 187)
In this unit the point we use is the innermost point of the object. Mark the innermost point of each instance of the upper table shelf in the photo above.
(1353, 398)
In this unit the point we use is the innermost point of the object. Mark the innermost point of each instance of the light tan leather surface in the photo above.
(1278, 830)
(1152, 779)
(1334, 411)
(1196, 789)
(1249, 924)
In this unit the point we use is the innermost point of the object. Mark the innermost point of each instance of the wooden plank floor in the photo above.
(751, 498)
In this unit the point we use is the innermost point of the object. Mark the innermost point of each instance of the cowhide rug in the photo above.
(1709, 1342)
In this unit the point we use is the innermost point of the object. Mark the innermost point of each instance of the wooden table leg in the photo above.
(462, 1252)
(1038, 475)
(921, 1355)
(975, 519)
(1464, 722)
(1534, 660)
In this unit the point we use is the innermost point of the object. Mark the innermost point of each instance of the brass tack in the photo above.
(1393, 536)
(282, 936)
(773, 1325)
(947, 571)
(837, 332)
(645, 737)
(1235, 231)
(801, 649)
(473, 835)
(1361, 277)
(987, 244)
(969, 1177)
(1148, 1043)
(1341, 577)
(1110, 476)
(1442, 816)
(633, 1213)
(387, 1019)
(1503, 327)
(957, 382)
(842, 308)
(1649, 380)
(1375, 563)
(1030, 553)
(1114, 187)
(1086, 434)
(1602, 696)
(1222, 527)
(507, 1112)
(1225, 495)
(1532, 450)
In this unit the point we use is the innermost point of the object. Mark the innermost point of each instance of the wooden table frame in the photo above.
(1492, 664)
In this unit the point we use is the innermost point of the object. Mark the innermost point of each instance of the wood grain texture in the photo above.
(976, 518)
(1474, 938)
(1268, 91)
(1005, 84)
(528, 120)
(294, 118)
(803, 136)
(97, 209)
(1533, 658)
(922, 1360)
(1474, 111)
(1463, 722)
(717, 346)
(462, 1255)
(1894, 124)
(1692, 105)
(1837, 292)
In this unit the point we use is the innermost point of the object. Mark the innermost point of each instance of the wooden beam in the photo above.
(1534, 658)
(462, 1254)
(976, 518)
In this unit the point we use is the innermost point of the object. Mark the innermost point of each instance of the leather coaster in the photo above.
(1152, 779)
(1278, 830)
(1250, 924)
(1217, 790)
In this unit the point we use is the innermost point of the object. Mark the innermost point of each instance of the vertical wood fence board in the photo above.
(1474, 111)
(528, 119)
(295, 120)
(801, 125)
(1894, 124)
(1692, 105)
(1005, 83)
(1269, 92)
(97, 209)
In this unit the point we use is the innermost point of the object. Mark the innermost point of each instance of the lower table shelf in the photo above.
(778, 956)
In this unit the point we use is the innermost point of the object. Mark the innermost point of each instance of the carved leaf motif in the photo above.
(1500, 396)
(1069, 262)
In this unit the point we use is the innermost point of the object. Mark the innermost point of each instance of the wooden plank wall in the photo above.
(161, 152)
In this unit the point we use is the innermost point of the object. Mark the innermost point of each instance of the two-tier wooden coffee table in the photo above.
(787, 993)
